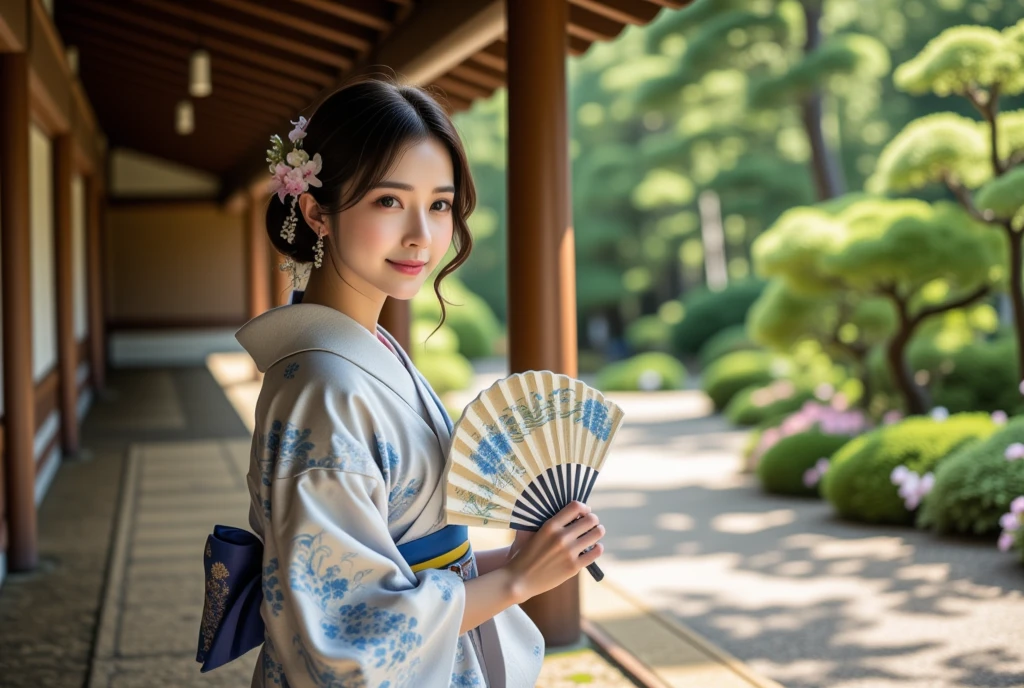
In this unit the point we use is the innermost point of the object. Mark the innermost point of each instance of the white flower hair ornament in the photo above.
(293, 173)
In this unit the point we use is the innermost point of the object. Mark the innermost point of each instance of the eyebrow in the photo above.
(408, 187)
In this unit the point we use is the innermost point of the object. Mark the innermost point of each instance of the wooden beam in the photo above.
(492, 57)
(479, 76)
(67, 358)
(304, 25)
(636, 12)
(16, 297)
(95, 273)
(259, 247)
(590, 26)
(455, 87)
(542, 313)
(343, 11)
(248, 32)
(81, 28)
(578, 45)
(267, 60)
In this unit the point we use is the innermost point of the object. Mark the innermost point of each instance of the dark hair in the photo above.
(359, 132)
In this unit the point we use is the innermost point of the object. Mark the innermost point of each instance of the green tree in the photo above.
(979, 162)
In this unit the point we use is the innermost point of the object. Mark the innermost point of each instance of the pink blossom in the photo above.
(294, 184)
(899, 474)
(310, 170)
(999, 417)
(278, 181)
(1017, 506)
(821, 466)
(1014, 451)
(1010, 522)
(1005, 542)
(811, 477)
(299, 132)
(892, 416)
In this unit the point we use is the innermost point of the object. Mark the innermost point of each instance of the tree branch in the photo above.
(1016, 158)
(964, 196)
(964, 300)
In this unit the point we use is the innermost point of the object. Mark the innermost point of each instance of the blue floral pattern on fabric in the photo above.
(595, 419)
(289, 372)
(272, 594)
(325, 677)
(383, 638)
(443, 584)
(388, 457)
(273, 670)
(288, 451)
(402, 497)
(467, 679)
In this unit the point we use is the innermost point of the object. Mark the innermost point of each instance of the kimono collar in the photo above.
(287, 330)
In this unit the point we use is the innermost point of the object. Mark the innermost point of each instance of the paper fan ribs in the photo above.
(525, 448)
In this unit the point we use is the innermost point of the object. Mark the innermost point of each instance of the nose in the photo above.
(418, 232)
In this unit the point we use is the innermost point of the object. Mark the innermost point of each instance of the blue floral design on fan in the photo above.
(491, 453)
(595, 419)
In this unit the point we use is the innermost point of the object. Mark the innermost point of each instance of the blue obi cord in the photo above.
(233, 563)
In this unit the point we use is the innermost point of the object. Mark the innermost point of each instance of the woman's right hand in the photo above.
(553, 554)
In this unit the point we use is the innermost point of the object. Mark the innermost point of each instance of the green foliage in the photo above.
(734, 372)
(648, 333)
(644, 372)
(470, 318)
(733, 338)
(858, 482)
(709, 312)
(982, 376)
(446, 372)
(754, 405)
(975, 485)
(961, 58)
(424, 340)
(1004, 196)
(794, 246)
(931, 148)
(781, 469)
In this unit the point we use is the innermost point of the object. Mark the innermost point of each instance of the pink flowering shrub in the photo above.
(829, 419)
(1012, 523)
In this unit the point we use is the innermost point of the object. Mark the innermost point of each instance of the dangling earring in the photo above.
(318, 251)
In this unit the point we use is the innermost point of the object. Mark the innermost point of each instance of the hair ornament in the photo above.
(293, 172)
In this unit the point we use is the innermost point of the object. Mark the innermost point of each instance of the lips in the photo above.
(408, 263)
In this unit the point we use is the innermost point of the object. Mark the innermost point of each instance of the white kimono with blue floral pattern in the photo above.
(347, 463)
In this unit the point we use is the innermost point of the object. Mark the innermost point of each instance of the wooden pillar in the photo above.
(542, 275)
(94, 259)
(15, 240)
(67, 350)
(396, 318)
(259, 255)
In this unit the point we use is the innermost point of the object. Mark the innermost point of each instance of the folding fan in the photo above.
(525, 448)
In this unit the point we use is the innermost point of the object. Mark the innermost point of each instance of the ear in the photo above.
(312, 214)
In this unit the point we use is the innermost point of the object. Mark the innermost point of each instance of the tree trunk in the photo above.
(1016, 295)
(828, 176)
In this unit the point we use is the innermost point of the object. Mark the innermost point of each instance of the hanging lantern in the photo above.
(184, 121)
(200, 83)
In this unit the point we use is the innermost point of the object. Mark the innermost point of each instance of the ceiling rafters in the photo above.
(590, 26)
(83, 28)
(248, 32)
(635, 12)
(261, 57)
(351, 14)
(299, 24)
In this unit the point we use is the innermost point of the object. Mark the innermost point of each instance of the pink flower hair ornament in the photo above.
(293, 172)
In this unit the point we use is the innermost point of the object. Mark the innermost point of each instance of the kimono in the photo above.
(347, 467)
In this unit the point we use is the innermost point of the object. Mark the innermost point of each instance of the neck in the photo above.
(327, 288)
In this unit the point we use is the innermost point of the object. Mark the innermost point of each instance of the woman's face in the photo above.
(406, 219)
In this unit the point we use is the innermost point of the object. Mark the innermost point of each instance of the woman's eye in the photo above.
(382, 200)
(445, 203)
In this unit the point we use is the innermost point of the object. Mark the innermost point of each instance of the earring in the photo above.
(318, 251)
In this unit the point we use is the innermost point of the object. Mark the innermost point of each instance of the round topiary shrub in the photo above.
(424, 341)
(733, 372)
(446, 372)
(754, 405)
(858, 482)
(781, 470)
(645, 372)
(975, 485)
(733, 338)
(470, 318)
(709, 312)
(648, 333)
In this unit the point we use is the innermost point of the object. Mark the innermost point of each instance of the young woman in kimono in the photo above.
(362, 582)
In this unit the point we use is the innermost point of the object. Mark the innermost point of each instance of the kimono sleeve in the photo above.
(350, 611)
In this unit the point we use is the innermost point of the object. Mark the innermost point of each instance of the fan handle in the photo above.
(596, 572)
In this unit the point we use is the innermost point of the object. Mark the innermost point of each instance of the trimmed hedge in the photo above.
(727, 376)
(733, 338)
(471, 318)
(648, 333)
(659, 368)
(446, 372)
(754, 405)
(781, 469)
(975, 485)
(710, 312)
(857, 482)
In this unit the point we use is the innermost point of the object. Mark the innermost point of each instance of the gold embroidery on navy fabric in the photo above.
(216, 598)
